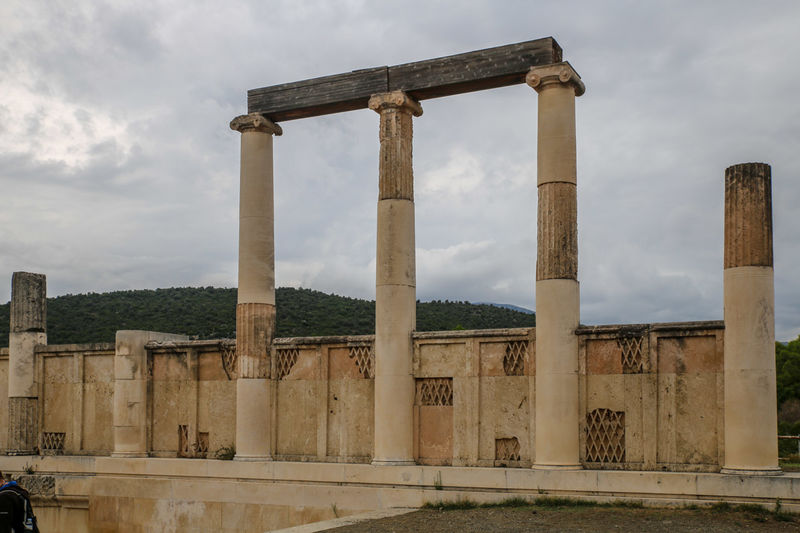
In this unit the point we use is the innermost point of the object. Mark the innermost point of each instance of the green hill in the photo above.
(209, 313)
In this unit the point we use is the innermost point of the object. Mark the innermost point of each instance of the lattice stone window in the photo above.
(52, 443)
(514, 360)
(187, 448)
(632, 354)
(506, 449)
(227, 352)
(435, 391)
(184, 446)
(201, 446)
(365, 360)
(285, 359)
(41, 485)
(605, 436)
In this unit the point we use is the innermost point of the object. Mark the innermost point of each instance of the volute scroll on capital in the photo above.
(255, 122)
(561, 73)
(395, 100)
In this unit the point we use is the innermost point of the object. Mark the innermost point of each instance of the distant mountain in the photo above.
(209, 313)
(509, 306)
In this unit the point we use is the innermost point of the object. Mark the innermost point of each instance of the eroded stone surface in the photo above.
(748, 215)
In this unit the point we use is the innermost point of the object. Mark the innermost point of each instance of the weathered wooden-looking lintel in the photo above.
(432, 78)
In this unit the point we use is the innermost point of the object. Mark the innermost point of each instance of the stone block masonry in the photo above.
(28, 330)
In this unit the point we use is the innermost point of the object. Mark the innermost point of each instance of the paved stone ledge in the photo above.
(413, 485)
(213, 495)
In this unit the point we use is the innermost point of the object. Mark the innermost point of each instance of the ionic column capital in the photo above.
(255, 122)
(395, 100)
(558, 73)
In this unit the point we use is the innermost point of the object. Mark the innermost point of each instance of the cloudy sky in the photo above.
(118, 169)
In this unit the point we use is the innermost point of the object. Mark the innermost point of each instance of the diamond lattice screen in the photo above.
(53, 442)
(184, 447)
(514, 360)
(632, 354)
(506, 449)
(435, 391)
(365, 360)
(285, 358)
(605, 436)
(228, 355)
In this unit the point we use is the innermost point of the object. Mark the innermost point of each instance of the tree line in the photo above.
(210, 313)
(787, 368)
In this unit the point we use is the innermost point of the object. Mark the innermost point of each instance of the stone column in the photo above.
(751, 418)
(28, 329)
(557, 292)
(255, 310)
(395, 282)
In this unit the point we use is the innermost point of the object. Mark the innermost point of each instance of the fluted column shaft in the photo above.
(751, 423)
(28, 328)
(255, 310)
(395, 283)
(557, 291)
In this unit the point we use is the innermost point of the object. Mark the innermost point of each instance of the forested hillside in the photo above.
(209, 313)
(787, 359)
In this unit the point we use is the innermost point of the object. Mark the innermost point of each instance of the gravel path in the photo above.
(588, 519)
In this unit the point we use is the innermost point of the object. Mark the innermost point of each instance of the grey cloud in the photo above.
(674, 95)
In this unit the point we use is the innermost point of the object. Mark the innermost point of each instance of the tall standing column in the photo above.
(557, 291)
(751, 418)
(395, 283)
(255, 310)
(28, 329)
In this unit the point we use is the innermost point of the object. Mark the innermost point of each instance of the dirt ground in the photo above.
(588, 519)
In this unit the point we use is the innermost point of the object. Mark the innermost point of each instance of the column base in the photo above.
(251, 458)
(557, 467)
(129, 455)
(771, 471)
(381, 462)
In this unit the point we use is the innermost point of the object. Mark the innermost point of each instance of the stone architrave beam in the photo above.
(445, 76)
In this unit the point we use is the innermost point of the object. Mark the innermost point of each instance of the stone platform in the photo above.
(114, 494)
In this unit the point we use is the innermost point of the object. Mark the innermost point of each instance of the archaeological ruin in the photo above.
(122, 436)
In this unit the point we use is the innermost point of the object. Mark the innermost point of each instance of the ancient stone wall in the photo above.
(191, 387)
(651, 398)
(193, 398)
(75, 390)
(3, 394)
